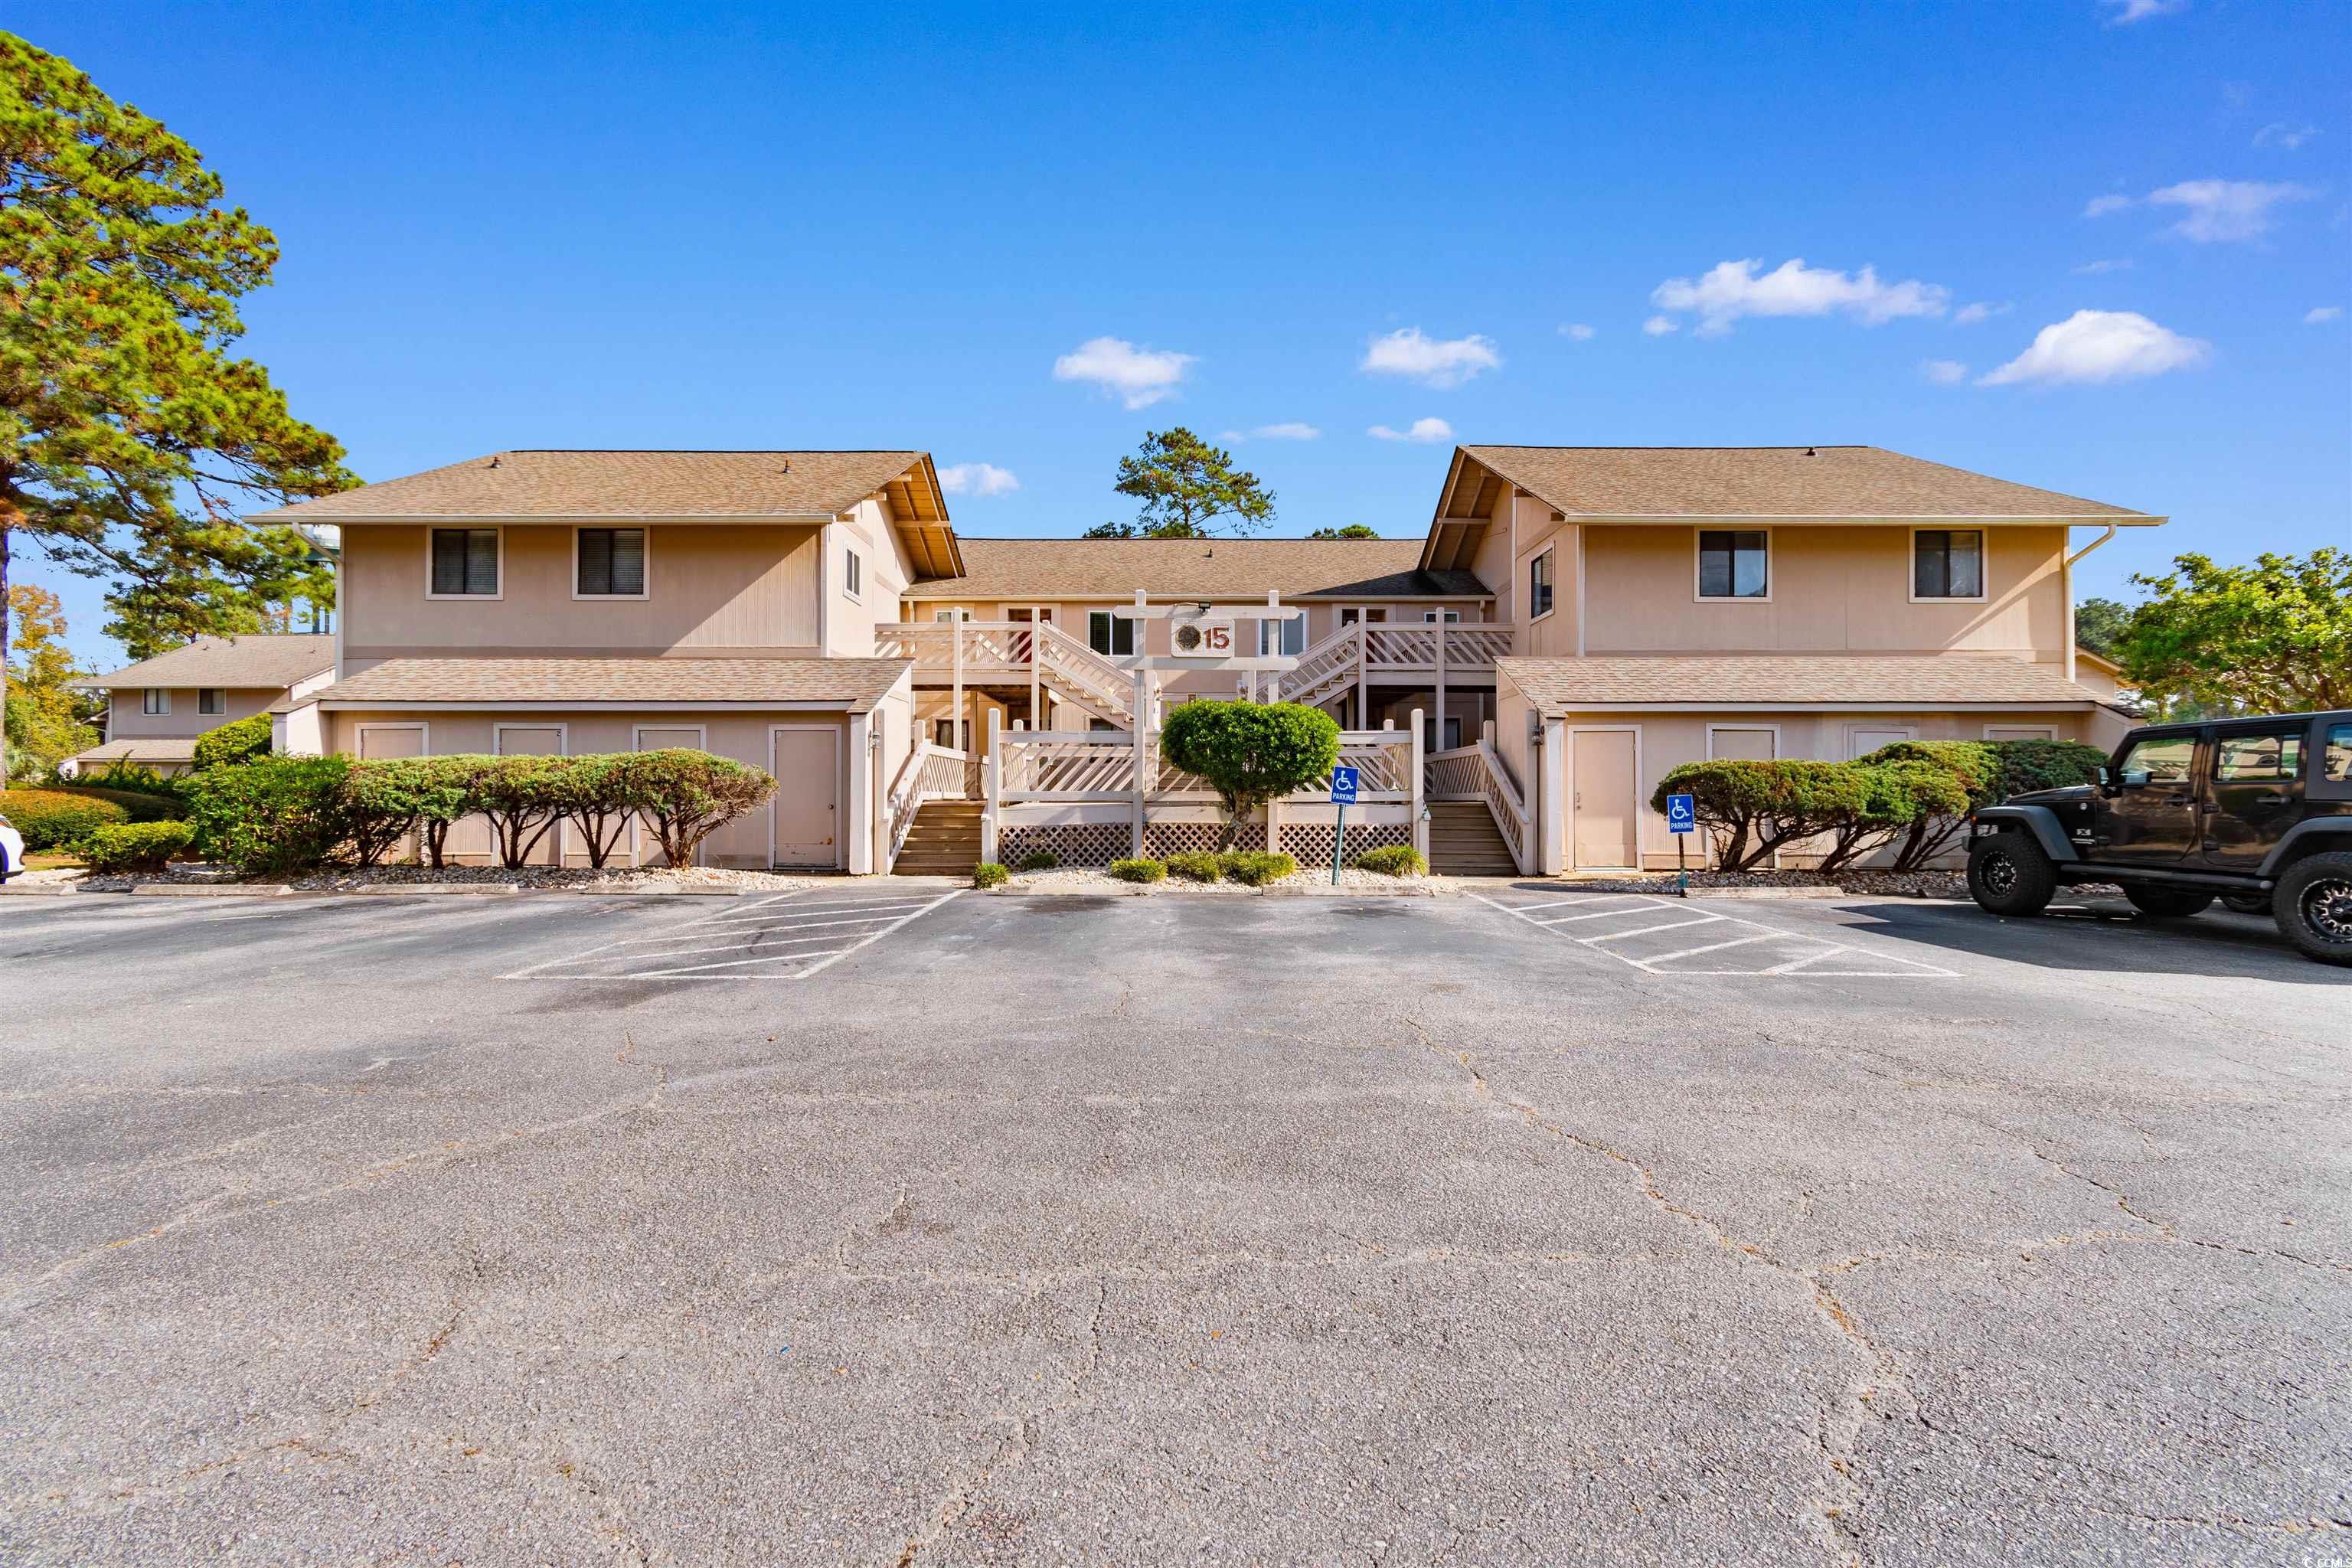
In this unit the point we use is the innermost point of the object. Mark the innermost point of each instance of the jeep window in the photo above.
(2337, 768)
(2258, 759)
(2166, 758)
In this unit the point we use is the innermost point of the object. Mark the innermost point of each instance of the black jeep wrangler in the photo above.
(2255, 811)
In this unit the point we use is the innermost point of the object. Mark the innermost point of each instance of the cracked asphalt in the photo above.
(1202, 1230)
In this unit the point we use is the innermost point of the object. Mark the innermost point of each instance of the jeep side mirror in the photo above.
(2103, 773)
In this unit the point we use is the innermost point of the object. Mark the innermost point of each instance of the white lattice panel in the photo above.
(1162, 839)
(1309, 843)
(1071, 844)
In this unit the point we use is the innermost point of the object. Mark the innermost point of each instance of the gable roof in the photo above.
(1558, 685)
(854, 684)
(1789, 484)
(1114, 569)
(255, 661)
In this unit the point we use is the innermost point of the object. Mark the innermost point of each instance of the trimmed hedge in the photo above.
(1256, 868)
(133, 845)
(125, 776)
(1137, 871)
(1195, 865)
(1393, 861)
(275, 814)
(990, 874)
(52, 818)
(239, 742)
(142, 805)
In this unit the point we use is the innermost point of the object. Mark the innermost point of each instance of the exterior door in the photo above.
(806, 808)
(1601, 820)
(536, 740)
(391, 743)
(2152, 816)
(2257, 791)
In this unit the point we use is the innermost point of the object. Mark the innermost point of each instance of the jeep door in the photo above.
(2256, 793)
(2153, 818)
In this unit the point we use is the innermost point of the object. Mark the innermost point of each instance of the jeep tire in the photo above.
(2313, 907)
(2008, 874)
(2168, 904)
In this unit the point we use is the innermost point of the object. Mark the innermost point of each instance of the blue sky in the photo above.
(1020, 237)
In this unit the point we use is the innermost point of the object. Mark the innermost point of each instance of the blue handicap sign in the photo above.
(1680, 817)
(1343, 787)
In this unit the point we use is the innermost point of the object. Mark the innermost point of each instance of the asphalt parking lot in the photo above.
(1202, 1229)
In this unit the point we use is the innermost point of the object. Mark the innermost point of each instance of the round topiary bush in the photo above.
(133, 845)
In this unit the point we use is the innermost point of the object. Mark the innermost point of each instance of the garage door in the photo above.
(806, 810)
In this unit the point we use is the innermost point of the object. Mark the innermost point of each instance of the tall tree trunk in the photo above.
(7, 514)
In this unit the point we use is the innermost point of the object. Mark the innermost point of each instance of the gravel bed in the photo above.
(349, 878)
(1952, 884)
(1080, 880)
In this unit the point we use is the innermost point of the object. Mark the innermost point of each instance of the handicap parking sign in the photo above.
(1680, 817)
(1343, 787)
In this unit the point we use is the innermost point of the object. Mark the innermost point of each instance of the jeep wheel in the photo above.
(2314, 907)
(2010, 874)
(2247, 903)
(2168, 904)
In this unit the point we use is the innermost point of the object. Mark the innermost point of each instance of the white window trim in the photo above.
(1711, 729)
(1552, 553)
(204, 712)
(423, 729)
(577, 528)
(1435, 617)
(1846, 733)
(1568, 789)
(840, 790)
(155, 701)
(1134, 641)
(1911, 568)
(853, 587)
(2049, 731)
(499, 528)
(1771, 571)
(1363, 615)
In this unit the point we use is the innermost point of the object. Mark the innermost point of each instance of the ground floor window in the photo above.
(954, 736)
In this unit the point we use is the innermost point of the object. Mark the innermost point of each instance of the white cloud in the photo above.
(1659, 326)
(2122, 12)
(1577, 330)
(1287, 430)
(1943, 372)
(2100, 206)
(1730, 289)
(2280, 133)
(2100, 346)
(2093, 269)
(1425, 431)
(1970, 315)
(2227, 209)
(1432, 362)
(1138, 377)
(2322, 314)
(977, 480)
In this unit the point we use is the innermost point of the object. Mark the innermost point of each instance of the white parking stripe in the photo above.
(1711, 947)
(1645, 930)
(1643, 904)
(1555, 903)
(1595, 915)
(635, 963)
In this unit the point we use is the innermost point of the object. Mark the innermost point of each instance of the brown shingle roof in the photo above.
(141, 748)
(262, 662)
(560, 484)
(1770, 482)
(854, 684)
(1573, 685)
(1182, 568)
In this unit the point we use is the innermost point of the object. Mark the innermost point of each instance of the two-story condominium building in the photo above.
(158, 708)
(1574, 623)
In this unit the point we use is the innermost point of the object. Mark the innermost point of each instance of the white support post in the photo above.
(861, 794)
(1420, 824)
(1438, 737)
(955, 705)
(993, 786)
(1142, 751)
(1552, 836)
(1487, 731)
(1363, 672)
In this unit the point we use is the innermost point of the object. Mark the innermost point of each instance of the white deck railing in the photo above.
(1478, 773)
(929, 773)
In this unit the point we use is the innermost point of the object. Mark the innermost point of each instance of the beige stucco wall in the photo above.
(712, 589)
(849, 621)
(742, 736)
(1834, 589)
(127, 719)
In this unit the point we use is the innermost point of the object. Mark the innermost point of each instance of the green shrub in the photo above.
(1039, 860)
(273, 814)
(1250, 753)
(522, 797)
(142, 805)
(1974, 765)
(1256, 868)
(685, 794)
(50, 819)
(1137, 871)
(990, 874)
(239, 742)
(132, 778)
(1393, 861)
(1896, 797)
(598, 795)
(1751, 809)
(133, 845)
(1195, 865)
(2028, 765)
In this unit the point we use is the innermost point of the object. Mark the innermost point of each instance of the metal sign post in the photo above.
(1343, 795)
(1681, 819)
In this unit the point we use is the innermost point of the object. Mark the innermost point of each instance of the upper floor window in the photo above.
(212, 699)
(609, 563)
(1111, 635)
(1733, 563)
(465, 564)
(1540, 586)
(853, 573)
(1282, 640)
(158, 700)
(1947, 564)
